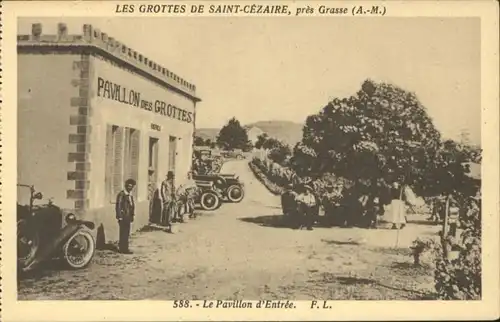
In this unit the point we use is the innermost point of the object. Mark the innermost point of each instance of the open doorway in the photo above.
(172, 153)
(153, 192)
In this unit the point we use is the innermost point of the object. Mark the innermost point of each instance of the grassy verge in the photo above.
(272, 187)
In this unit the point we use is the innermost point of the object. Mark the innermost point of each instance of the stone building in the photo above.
(253, 133)
(92, 113)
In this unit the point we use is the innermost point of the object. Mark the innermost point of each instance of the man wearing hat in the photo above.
(288, 203)
(167, 192)
(307, 206)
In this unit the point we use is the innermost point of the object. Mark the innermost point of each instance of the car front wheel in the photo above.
(209, 201)
(79, 249)
(235, 193)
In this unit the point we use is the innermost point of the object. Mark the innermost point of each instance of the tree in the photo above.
(304, 160)
(208, 142)
(198, 141)
(261, 140)
(379, 136)
(233, 136)
(272, 143)
(280, 152)
(248, 146)
(448, 174)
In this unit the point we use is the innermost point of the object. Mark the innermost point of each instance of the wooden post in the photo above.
(453, 219)
(399, 228)
(444, 235)
(446, 216)
(453, 229)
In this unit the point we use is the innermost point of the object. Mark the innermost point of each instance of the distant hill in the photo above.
(207, 133)
(286, 131)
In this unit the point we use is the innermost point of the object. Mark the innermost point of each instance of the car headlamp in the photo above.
(70, 217)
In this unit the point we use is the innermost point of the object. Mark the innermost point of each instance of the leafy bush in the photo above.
(259, 174)
(280, 153)
(456, 261)
(421, 246)
(459, 277)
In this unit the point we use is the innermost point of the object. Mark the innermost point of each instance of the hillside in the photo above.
(286, 131)
(207, 133)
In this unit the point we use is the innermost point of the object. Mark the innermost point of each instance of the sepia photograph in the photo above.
(234, 161)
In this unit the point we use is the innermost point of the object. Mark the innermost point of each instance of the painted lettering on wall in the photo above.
(155, 127)
(122, 94)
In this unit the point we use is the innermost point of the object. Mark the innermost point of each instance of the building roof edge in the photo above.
(99, 42)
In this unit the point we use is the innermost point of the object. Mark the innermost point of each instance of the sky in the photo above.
(264, 68)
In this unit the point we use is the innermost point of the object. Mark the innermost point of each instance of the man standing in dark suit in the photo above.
(125, 212)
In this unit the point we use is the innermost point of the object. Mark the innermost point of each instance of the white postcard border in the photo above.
(13, 310)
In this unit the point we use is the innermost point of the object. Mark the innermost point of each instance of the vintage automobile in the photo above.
(234, 154)
(228, 185)
(42, 235)
(209, 198)
(203, 153)
(207, 161)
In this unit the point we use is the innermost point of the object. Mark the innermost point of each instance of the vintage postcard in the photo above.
(239, 160)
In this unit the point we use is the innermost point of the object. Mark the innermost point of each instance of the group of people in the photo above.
(300, 206)
(205, 166)
(175, 203)
(199, 166)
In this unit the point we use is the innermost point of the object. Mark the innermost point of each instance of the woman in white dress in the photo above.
(395, 212)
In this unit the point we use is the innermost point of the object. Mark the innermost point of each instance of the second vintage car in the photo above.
(229, 186)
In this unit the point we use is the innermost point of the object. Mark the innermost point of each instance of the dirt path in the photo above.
(238, 252)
